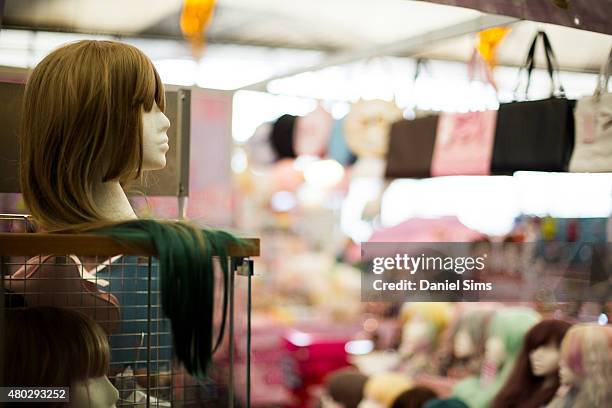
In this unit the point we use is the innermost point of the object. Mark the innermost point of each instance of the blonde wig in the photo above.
(82, 125)
(386, 387)
(587, 352)
(437, 314)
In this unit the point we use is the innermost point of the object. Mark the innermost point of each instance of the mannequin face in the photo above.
(566, 376)
(414, 335)
(544, 360)
(495, 351)
(154, 139)
(464, 346)
(102, 394)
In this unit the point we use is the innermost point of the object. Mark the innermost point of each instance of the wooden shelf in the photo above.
(22, 244)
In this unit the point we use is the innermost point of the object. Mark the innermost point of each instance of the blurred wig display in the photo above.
(504, 341)
(367, 125)
(343, 387)
(57, 347)
(423, 324)
(463, 352)
(535, 377)
(415, 397)
(366, 130)
(445, 403)
(381, 390)
(586, 367)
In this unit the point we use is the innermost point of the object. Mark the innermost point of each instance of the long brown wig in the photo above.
(523, 388)
(81, 125)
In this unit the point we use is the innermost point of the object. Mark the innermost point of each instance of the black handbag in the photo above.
(411, 145)
(535, 135)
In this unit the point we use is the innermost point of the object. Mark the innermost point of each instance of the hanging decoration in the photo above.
(195, 19)
(488, 41)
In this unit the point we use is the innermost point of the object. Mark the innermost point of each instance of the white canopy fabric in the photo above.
(345, 30)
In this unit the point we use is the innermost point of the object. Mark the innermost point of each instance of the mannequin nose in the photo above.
(165, 122)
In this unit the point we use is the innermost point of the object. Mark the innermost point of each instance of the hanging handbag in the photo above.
(535, 135)
(464, 141)
(593, 117)
(411, 145)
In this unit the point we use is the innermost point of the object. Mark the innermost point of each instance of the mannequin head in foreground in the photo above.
(343, 389)
(54, 347)
(92, 114)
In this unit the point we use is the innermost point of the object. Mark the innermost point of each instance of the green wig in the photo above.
(509, 325)
(187, 281)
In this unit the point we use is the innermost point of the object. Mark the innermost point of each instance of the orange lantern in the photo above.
(195, 18)
(488, 41)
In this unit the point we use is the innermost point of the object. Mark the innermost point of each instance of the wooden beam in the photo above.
(22, 244)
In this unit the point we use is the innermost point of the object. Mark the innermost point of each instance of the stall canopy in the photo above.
(340, 31)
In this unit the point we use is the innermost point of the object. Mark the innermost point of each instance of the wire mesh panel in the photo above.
(121, 293)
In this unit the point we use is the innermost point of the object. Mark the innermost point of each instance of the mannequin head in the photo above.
(53, 347)
(464, 349)
(381, 390)
(469, 333)
(506, 333)
(92, 113)
(367, 125)
(415, 397)
(504, 341)
(343, 389)
(463, 345)
(495, 350)
(586, 364)
(534, 379)
(423, 323)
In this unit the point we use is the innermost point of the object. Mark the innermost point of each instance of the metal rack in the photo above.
(111, 275)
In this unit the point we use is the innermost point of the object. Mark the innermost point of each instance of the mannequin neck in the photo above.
(112, 202)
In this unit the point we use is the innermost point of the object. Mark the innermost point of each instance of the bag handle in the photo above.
(551, 65)
(604, 76)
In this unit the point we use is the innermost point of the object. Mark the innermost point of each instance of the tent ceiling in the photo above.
(576, 50)
(329, 25)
